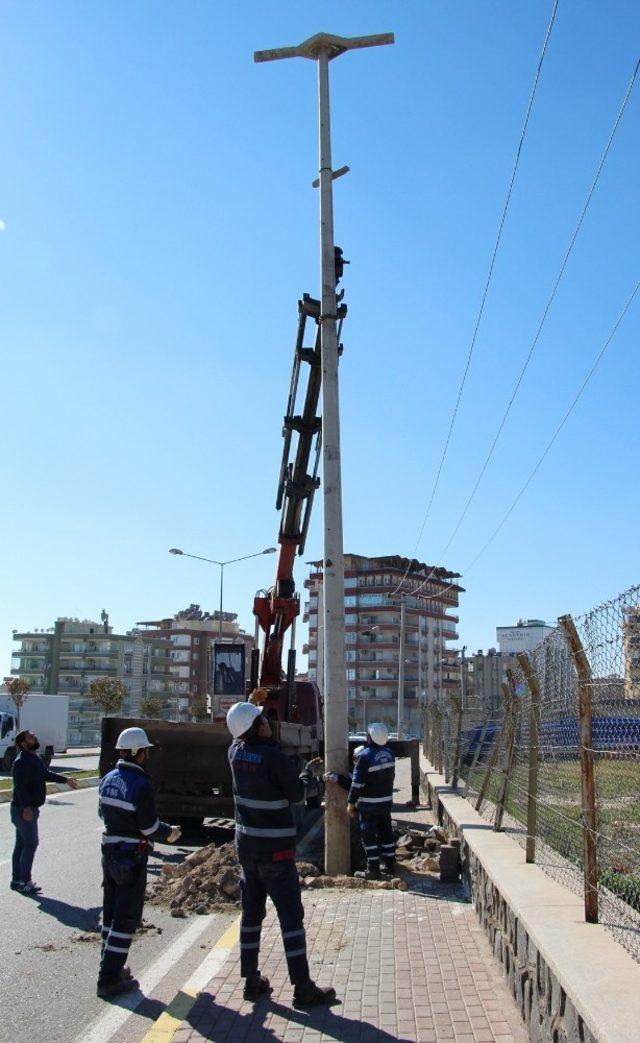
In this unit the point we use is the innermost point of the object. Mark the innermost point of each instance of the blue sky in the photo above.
(159, 226)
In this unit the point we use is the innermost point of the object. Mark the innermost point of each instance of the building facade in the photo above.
(67, 657)
(191, 635)
(374, 589)
(523, 637)
(487, 671)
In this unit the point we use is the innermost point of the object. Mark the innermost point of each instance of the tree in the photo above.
(151, 706)
(108, 694)
(199, 708)
(18, 688)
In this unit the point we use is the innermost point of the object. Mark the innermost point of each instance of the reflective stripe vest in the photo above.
(126, 804)
(372, 781)
(265, 785)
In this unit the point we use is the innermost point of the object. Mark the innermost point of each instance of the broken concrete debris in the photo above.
(209, 879)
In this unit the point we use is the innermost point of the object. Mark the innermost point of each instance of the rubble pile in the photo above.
(209, 879)
(418, 851)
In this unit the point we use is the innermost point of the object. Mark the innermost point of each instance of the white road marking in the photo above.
(207, 970)
(114, 1018)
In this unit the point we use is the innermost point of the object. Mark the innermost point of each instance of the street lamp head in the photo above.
(174, 550)
(270, 550)
(323, 43)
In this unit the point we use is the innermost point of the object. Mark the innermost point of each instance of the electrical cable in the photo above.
(558, 429)
(487, 282)
(545, 312)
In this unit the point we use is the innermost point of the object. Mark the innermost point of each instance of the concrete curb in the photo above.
(54, 787)
(561, 970)
(70, 755)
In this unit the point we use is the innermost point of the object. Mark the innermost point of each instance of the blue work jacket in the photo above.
(266, 784)
(127, 806)
(372, 780)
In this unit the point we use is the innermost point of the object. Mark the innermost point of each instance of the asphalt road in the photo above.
(71, 763)
(47, 971)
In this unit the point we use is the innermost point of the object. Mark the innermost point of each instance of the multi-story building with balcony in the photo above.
(374, 589)
(191, 635)
(67, 657)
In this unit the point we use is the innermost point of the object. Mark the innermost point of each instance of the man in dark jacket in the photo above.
(127, 807)
(30, 777)
(371, 797)
(265, 785)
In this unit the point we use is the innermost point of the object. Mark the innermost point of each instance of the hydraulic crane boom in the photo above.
(277, 609)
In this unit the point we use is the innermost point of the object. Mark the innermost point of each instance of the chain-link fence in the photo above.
(559, 769)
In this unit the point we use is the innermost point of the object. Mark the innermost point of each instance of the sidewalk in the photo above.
(407, 966)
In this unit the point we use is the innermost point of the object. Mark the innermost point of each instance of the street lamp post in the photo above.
(322, 48)
(221, 564)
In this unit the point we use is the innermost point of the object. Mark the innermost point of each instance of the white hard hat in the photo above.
(133, 739)
(358, 750)
(379, 733)
(241, 716)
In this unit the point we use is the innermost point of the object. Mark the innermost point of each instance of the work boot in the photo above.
(370, 873)
(30, 888)
(312, 995)
(107, 989)
(389, 868)
(255, 987)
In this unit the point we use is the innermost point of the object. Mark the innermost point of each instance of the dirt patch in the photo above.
(209, 879)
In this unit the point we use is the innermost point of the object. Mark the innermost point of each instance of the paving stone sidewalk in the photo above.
(407, 966)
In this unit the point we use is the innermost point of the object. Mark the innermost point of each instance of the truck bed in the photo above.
(188, 763)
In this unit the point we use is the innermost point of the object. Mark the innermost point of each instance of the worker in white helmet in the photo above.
(126, 804)
(371, 797)
(266, 783)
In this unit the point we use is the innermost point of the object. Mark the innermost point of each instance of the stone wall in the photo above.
(545, 1008)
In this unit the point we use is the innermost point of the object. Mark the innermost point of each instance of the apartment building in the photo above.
(191, 635)
(487, 672)
(68, 656)
(373, 591)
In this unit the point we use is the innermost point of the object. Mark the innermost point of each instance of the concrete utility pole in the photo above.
(322, 48)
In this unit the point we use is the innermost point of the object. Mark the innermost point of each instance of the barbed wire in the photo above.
(609, 635)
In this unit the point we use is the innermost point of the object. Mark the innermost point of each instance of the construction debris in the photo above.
(209, 879)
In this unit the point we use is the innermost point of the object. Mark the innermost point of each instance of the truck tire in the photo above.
(8, 759)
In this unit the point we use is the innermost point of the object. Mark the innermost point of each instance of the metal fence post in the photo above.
(457, 702)
(495, 753)
(587, 771)
(534, 717)
(510, 731)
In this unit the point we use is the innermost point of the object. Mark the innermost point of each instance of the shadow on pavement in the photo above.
(213, 1020)
(69, 915)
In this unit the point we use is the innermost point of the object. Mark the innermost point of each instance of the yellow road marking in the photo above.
(166, 1026)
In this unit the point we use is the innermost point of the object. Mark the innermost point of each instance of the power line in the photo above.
(545, 313)
(546, 310)
(488, 280)
(558, 429)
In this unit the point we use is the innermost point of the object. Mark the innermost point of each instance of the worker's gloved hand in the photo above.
(352, 811)
(315, 766)
(259, 696)
(72, 783)
(330, 776)
(174, 835)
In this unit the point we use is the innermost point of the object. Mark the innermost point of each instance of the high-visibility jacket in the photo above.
(372, 780)
(126, 804)
(266, 784)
